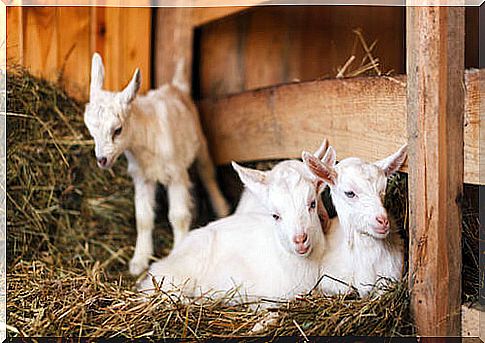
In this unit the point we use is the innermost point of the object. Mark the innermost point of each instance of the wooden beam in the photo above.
(173, 41)
(204, 15)
(436, 104)
(215, 10)
(364, 117)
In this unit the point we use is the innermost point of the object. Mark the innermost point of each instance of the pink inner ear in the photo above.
(392, 167)
(320, 170)
(319, 185)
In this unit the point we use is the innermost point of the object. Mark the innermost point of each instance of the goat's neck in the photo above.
(351, 236)
(140, 125)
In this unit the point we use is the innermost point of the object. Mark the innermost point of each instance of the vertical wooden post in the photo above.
(173, 41)
(435, 105)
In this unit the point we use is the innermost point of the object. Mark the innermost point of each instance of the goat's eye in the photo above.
(313, 204)
(350, 194)
(276, 217)
(117, 132)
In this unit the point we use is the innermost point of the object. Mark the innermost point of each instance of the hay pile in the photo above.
(70, 236)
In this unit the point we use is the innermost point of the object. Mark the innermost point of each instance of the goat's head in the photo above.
(289, 194)
(106, 115)
(358, 189)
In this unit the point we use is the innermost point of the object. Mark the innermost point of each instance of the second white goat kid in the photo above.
(273, 254)
(249, 202)
(160, 135)
(362, 248)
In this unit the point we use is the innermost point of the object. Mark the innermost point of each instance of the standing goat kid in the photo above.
(160, 135)
(273, 254)
(363, 249)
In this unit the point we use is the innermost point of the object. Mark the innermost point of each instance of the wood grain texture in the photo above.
(123, 38)
(364, 117)
(40, 35)
(219, 47)
(204, 15)
(74, 49)
(436, 104)
(173, 42)
(57, 43)
(277, 44)
(14, 35)
(474, 124)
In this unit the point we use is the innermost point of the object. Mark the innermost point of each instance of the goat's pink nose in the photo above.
(102, 161)
(300, 238)
(382, 220)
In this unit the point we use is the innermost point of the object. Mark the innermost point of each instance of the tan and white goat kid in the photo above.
(161, 136)
(272, 254)
(362, 248)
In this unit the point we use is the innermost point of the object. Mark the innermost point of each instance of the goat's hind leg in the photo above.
(207, 173)
(145, 216)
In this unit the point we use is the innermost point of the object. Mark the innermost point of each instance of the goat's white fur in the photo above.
(161, 136)
(252, 251)
(359, 252)
(249, 203)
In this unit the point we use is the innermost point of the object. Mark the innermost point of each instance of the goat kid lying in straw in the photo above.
(273, 254)
(363, 249)
(160, 135)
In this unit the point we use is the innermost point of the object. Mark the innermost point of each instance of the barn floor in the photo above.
(71, 234)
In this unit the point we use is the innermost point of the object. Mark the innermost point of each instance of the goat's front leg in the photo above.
(145, 216)
(179, 206)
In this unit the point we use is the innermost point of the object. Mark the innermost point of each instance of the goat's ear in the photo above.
(252, 178)
(319, 185)
(330, 157)
(128, 94)
(321, 170)
(320, 152)
(392, 163)
(97, 74)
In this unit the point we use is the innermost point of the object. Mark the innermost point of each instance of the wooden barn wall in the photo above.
(264, 46)
(57, 43)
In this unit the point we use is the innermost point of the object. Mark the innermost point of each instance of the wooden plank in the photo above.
(74, 49)
(266, 48)
(473, 124)
(364, 117)
(436, 103)
(269, 45)
(14, 35)
(204, 15)
(136, 44)
(123, 38)
(40, 45)
(173, 42)
(3, 43)
(221, 60)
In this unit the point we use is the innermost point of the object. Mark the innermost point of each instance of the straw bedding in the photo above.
(71, 233)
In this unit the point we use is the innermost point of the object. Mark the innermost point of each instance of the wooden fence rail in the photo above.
(363, 117)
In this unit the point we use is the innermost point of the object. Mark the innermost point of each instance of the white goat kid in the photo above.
(273, 254)
(161, 136)
(249, 202)
(362, 247)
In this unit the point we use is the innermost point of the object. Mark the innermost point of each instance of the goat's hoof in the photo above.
(138, 265)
